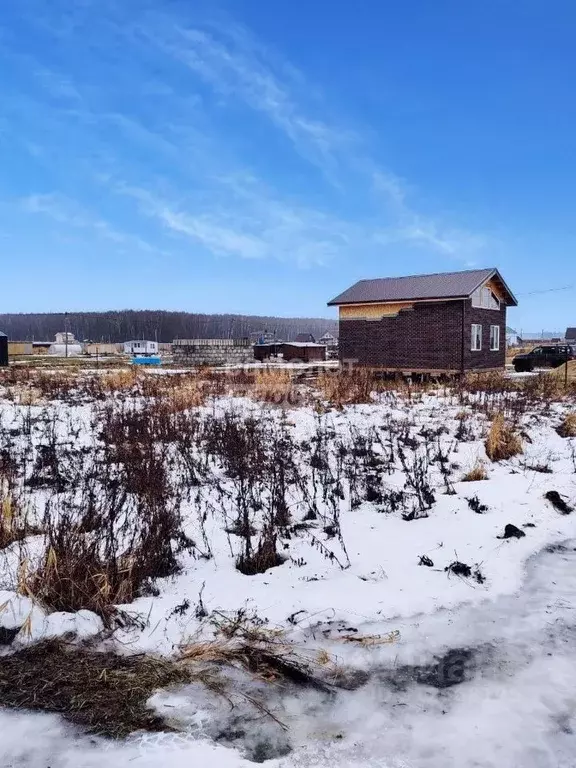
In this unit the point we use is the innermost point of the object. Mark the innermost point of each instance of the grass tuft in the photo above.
(478, 472)
(568, 426)
(502, 442)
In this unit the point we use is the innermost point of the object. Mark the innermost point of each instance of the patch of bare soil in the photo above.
(104, 693)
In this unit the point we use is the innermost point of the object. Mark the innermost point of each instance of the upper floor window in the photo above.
(485, 298)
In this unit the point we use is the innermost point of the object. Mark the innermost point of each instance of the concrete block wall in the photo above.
(212, 352)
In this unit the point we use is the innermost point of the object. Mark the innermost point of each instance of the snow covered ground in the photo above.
(516, 707)
(463, 671)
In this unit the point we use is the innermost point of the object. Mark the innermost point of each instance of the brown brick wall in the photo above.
(485, 317)
(427, 337)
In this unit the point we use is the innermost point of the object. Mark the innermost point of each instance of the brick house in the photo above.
(442, 323)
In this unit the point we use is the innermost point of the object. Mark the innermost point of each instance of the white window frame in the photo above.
(494, 338)
(476, 337)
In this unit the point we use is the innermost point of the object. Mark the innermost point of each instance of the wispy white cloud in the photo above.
(254, 226)
(237, 68)
(453, 243)
(186, 179)
(69, 213)
(57, 85)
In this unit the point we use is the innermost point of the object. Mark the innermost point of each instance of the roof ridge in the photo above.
(428, 274)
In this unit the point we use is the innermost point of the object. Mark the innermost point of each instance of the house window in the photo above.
(476, 337)
(485, 298)
(494, 338)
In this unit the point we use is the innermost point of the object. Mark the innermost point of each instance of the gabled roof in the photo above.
(305, 337)
(442, 285)
(571, 333)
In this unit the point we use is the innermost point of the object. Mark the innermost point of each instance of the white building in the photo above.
(65, 337)
(328, 340)
(65, 345)
(140, 347)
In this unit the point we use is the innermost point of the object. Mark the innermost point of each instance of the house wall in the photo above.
(427, 337)
(485, 358)
(372, 311)
(306, 354)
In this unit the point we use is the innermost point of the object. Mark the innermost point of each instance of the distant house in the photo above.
(444, 323)
(571, 335)
(328, 340)
(305, 338)
(64, 337)
(512, 337)
(65, 345)
(140, 347)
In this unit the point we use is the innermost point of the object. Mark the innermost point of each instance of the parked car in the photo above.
(544, 357)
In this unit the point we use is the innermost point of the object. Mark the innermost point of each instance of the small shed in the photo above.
(3, 349)
(267, 350)
(140, 347)
(303, 351)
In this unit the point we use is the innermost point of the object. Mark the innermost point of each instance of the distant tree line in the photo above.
(158, 325)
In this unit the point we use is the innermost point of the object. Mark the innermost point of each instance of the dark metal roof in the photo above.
(571, 333)
(442, 285)
(305, 337)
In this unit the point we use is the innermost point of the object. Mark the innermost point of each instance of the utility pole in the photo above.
(66, 333)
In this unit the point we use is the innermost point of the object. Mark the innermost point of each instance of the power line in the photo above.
(548, 290)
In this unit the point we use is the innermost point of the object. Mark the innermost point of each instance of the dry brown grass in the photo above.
(560, 372)
(27, 395)
(119, 381)
(568, 426)
(190, 393)
(268, 661)
(105, 693)
(347, 387)
(273, 386)
(478, 472)
(72, 583)
(12, 525)
(502, 442)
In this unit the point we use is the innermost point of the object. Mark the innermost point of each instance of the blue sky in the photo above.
(258, 157)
